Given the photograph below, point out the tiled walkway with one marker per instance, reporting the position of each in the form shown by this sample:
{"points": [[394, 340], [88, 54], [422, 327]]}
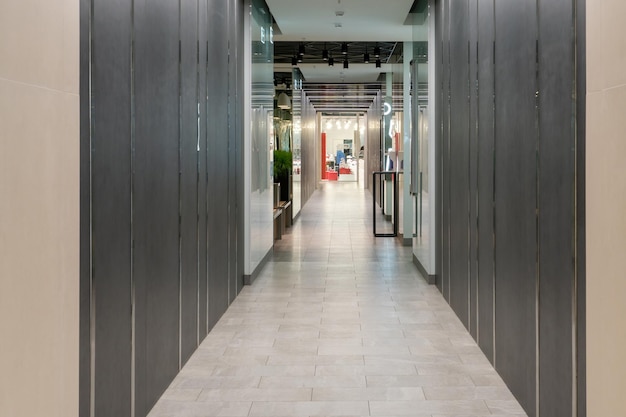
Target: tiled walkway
{"points": [[339, 323]]}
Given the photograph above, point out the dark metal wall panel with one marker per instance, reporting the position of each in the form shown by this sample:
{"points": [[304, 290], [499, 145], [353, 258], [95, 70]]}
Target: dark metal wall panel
{"points": [[218, 157], [372, 148], [485, 179], [515, 198], [556, 188], [239, 144], [235, 276], [524, 129], [189, 157], [310, 143], [445, 149], [146, 190], [111, 202], [581, 102], [156, 197], [439, 112], [473, 166], [459, 161], [84, 386], [203, 233]]}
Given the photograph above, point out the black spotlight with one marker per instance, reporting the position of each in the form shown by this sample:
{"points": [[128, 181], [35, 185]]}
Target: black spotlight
{"points": [[377, 51], [331, 61], [294, 61], [301, 50], [345, 64], [344, 48], [378, 63], [366, 58]]}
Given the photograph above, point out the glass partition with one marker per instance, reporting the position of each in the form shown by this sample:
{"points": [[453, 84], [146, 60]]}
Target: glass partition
{"points": [[261, 133], [422, 141], [296, 115]]}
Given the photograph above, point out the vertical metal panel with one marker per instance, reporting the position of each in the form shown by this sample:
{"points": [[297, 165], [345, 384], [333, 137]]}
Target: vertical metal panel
{"points": [[111, 194], [217, 164], [581, 307], [239, 145], [310, 144], [556, 206], [156, 198], [189, 177], [85, 386], [372, 149], [439, 111], [516, 180], [459, 160], [445, 150], [473, 167], [235, 115], [203, 234], [485, 176]]}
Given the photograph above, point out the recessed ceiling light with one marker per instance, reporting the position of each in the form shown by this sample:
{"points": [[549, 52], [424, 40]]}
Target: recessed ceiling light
{"points": [[339, 13], [338, 25]]}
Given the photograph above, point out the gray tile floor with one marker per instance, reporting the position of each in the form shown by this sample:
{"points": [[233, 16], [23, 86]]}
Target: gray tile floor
{"points": [[339, 323]]}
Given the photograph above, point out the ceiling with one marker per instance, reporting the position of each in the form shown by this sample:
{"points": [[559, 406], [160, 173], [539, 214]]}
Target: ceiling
{"points": [[362, 20], [325, 24]]}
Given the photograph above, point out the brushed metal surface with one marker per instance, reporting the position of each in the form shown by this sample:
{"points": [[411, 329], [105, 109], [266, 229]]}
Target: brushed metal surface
{"points": [[516, 198], [581, 307], [111, 208], [217, 162], [156, 198], [485, 167], [459, 166], [472, 128], [189, 155], [85, 389], [445, 149], [557, 204], [203, 232]]}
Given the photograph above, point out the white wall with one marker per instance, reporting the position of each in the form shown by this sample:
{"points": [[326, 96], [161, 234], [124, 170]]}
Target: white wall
{"points": [[606, 208], [39, 208]]}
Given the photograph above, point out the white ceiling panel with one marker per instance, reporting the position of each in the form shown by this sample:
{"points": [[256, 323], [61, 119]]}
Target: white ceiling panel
{"points": [[362, 20]]}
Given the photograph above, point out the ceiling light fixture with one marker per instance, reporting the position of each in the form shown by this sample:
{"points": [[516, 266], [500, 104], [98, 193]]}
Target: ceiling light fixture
{"points": [[366, 57], [331, 61], [301, 50], [377, 51], [325, 53], [344, 48], [346, 64], [378, 64], [283, 101], [294, 61]]}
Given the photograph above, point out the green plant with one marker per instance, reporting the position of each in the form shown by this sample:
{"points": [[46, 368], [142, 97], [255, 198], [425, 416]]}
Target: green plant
{"points": [[282, 164]]}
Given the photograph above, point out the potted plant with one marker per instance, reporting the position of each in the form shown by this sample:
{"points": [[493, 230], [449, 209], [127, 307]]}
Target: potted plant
{"points": [[282, 172]]}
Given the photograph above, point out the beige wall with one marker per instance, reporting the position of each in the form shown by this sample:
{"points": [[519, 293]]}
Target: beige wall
{"points": [[39, 213], [606, 208]]}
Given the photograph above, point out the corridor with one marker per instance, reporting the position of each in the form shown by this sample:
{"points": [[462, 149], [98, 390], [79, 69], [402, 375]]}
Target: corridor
{"points": [[339, 323]]}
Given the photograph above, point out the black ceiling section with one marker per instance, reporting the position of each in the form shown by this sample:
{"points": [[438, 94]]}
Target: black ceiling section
{"points": [[331, 98], [342, 97], [390, 52]]}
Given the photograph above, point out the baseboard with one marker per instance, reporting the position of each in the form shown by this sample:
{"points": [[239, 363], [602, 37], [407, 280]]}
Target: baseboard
{"points": [[249, 279], [405, 241], [430, 279]]}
